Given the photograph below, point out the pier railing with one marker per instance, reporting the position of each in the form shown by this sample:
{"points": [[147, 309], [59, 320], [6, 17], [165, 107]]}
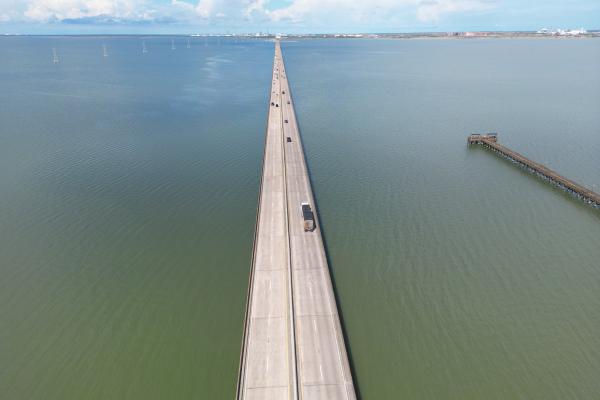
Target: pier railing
{"points": [[490, 141]]}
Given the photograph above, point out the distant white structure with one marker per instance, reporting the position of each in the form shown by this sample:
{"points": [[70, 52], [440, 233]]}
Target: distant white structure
{"points": [[562, 32], [348, 35], [575, 32]]}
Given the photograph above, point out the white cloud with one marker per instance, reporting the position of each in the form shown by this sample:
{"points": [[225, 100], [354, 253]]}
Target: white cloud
{"points": [[47, 10], [352, 10], [11, 10], [205, 8], [131, 10], [255, 7], [303, 12], [232, 9], [433, 10]]}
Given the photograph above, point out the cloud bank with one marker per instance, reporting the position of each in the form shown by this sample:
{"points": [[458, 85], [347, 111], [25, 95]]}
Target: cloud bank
{"points": [[425, 10], [58, 10], [292, 12]]}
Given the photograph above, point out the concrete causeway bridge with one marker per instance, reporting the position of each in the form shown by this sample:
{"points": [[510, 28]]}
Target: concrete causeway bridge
{"points": [[293, 346], [491, 141]]}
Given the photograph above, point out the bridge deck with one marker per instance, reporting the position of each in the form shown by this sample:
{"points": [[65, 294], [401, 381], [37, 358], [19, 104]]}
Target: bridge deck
{"points": [[293, 343]]}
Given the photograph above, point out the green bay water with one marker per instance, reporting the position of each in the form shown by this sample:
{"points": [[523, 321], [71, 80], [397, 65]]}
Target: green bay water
{"points": [[129, 187], [459, 276]]}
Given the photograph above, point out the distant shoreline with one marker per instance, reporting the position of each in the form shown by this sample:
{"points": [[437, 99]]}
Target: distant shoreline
{"points": [[448, 35], [425, 35]]}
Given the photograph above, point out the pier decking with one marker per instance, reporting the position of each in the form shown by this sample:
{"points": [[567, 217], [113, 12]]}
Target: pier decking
{"points": [[293, 346], [491, 141]]}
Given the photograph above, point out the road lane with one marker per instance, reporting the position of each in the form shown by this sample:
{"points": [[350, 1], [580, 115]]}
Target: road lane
{"points": [[323, 367], [268, 361]]}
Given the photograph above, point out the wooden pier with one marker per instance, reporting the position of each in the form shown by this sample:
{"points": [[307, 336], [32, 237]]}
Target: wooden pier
{"points": [[490, 141]]}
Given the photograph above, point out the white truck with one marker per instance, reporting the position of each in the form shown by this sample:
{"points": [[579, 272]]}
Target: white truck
{"points": [[307, 216]]}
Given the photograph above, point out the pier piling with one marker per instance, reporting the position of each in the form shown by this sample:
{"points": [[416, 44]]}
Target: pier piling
{"points": [[490, 141]]}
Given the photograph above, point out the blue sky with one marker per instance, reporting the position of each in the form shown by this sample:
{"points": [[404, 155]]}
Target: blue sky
{"points": [[292, 16]]}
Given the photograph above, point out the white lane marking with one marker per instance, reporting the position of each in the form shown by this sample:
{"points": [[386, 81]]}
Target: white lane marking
{"points": [[268, 340]]}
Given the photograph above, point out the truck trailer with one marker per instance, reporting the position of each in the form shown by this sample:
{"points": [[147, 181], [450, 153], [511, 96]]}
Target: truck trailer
{"points": [[307, 216]]}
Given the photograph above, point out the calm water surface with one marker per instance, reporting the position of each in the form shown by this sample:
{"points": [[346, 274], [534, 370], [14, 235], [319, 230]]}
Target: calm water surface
{"points": [[129, 184]]}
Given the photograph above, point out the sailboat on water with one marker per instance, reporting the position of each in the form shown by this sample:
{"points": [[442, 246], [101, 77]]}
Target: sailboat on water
{"points": [[104, 51], [172, 44], [144, 49], [54, 56]]}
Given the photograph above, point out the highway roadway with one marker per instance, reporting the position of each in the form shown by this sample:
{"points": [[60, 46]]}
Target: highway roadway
{"points": [[293, 344]]}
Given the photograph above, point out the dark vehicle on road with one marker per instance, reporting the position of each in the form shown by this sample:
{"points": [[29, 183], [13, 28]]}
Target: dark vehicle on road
{"points": [[307, 215]]}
